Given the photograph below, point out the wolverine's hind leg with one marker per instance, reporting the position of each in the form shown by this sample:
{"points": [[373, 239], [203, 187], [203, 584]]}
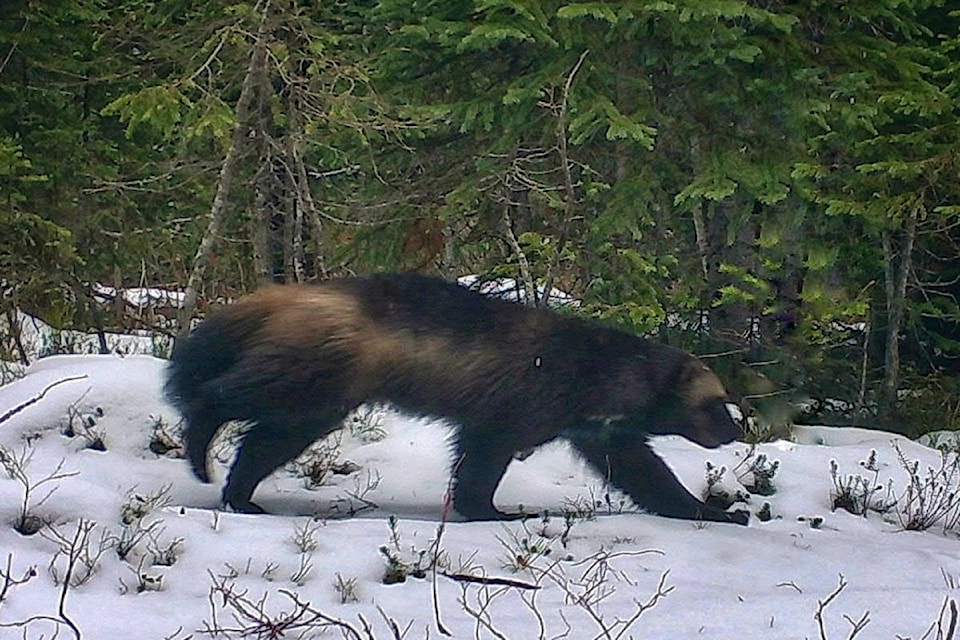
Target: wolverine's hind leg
{"points": [[201, 425], [272, 442]]}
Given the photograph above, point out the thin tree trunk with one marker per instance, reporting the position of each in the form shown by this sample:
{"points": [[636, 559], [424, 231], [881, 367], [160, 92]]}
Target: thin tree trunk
{"points": [[296, 249], [264, 183], [289, 231], [16, 334], [260, 233], [526, 275], [227, 174], [703, 243], [703, 248], [449, 255], [527, 282], [897, 272], [570, 196], [860, 408], [891, 346], [306, 208]]}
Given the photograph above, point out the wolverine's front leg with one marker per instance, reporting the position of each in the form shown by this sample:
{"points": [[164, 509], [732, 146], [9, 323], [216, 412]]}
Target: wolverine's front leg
{"points": [[478, 468], [631, 465]]}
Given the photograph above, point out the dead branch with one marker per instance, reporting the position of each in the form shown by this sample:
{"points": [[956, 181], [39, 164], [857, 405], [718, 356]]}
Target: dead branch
{"points": [[568, 184], [856, 625], [252, 620], [945, 626], [9, 581], [34, 400], [500, 582]]}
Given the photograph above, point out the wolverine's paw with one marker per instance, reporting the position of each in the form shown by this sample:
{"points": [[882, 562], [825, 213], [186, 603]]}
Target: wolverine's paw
{"points": [[474, 513], [740, 516], [238, 506], [710, 514]]}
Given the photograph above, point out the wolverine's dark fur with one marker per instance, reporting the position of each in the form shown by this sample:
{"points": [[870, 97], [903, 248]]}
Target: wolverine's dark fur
{"points": [[294, 360]]}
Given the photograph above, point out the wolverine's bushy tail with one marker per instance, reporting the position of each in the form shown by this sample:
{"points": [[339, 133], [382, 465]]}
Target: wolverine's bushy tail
{"points": [[197, 362]]}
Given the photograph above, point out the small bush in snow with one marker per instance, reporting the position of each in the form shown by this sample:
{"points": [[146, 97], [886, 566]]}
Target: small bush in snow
{"points": [[249, 618], [855, 493], [398, 570], [581, 508], [28, 522], [718, 496], [83, 424], [137, 506], [586, 584], [9, 581], [931, 497], [135, 523], [145, 581], [305, 540], [166, 440], [756, 472], [303, 570], [164, 554], [355, 500], [765, 513], [322, 458], [856, 626], [346, 588], [531, 542], [366, 423], [612, 506], [305, 536], [319, 460], [78, 556], [403, 562]]}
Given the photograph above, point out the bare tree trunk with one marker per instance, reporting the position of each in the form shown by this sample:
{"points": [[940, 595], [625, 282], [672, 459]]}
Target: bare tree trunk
{"points": [[896, 272], [16, 333], [296, 248], [263, 199], [570, 196], [703, 247], [287, 244], [228, 171], [733, 324], [449, 255], [527, 282], [260, 233], [860, 407], [703, 243], [526, 275], [306, 208]]}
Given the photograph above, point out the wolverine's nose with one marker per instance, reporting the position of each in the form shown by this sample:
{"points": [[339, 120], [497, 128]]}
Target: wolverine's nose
{"points": [[719, 425]]}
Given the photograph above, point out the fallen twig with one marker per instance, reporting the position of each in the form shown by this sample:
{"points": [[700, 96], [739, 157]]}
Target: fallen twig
{"points": [[500, 582], [34, 400]]}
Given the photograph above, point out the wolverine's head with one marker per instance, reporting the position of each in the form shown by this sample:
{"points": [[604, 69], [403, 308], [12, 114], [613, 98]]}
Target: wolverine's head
{"points": [[674, 393], [704, 401]]}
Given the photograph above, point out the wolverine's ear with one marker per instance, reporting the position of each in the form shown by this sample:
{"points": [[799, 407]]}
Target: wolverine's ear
{"points": [[698, 384]]}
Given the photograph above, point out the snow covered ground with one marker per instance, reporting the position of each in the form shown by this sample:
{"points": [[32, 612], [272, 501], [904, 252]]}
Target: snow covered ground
{"points": [[190, 570]]}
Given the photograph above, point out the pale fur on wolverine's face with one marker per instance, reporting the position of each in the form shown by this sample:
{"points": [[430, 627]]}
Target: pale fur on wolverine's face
{"points": [[711, 423], [694, 405]]}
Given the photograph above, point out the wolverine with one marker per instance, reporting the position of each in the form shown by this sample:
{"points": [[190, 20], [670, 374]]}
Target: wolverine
{"points": [[293, 360]]}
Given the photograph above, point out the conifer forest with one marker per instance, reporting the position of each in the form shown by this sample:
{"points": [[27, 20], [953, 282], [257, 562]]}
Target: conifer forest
{"points": [[772, 184]]}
